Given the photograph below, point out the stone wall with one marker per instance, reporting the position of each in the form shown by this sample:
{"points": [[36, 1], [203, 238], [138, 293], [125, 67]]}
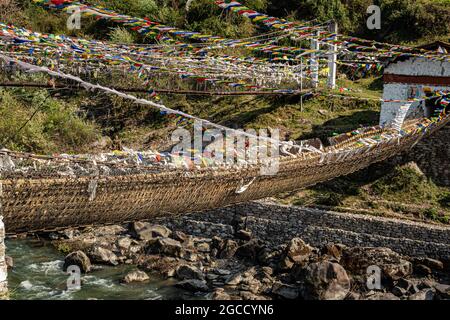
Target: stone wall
{"points": [[3, 267], [432, 155], [278, 224]]}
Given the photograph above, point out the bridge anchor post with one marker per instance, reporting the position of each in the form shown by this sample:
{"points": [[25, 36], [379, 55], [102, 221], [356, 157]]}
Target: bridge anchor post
{"points": [[3, 266]]}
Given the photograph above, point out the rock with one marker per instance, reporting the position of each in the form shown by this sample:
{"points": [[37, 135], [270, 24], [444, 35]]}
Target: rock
{"points": [[220, 294], [250, 296], [298, 251], [193, 285], [358, 259], [191, 256], [185, 272], [399, 292], [148, 231], [414, 167], [228, 250], [78, 258], [245, 235], [217, 243], [426, 294], [426, 284], [204, 247], [165, 246], [179, 236], [249, 250], [221, 272], [285, 291], [333, 250], [266, 256], [422, 270], [353, 296], [404, 284], [442, 291], [327, 281], [102, 255], [433, 264], [267, 271], [382, 296], [252, 285], [234, 280], [124, 243], [136, 276], [9, 262]]}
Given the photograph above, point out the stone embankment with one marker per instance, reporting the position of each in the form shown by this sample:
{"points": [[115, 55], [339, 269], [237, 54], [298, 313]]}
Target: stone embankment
{"points": [[249, 252], [277, 224]]}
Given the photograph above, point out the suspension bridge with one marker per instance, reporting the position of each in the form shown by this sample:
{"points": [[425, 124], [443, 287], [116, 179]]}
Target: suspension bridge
{"points": [[39, 192]]}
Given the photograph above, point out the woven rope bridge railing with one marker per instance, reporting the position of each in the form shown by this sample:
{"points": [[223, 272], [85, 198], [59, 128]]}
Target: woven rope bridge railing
{"points": [[43, 200]]}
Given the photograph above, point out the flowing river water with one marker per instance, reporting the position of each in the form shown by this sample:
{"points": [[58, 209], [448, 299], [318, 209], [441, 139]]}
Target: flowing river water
{"points": [[38, 274]]}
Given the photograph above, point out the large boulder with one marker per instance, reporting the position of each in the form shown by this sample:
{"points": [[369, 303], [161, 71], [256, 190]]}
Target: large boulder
{"points": [[136, 276], [326, 281], [166, 246], [78, 258], [148, 231], [185, 272], [103, 256], [296, 252], [357, 260]]}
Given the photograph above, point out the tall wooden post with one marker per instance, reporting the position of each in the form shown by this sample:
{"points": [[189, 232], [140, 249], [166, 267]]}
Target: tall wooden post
{"points": [[332, 59]]}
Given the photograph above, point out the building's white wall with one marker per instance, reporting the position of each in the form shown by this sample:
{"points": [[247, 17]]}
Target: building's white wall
{"points": [[402, 91], [420, 67]]}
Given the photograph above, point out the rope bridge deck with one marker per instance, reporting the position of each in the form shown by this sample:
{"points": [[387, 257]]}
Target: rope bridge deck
{"points": [[35, 203]]}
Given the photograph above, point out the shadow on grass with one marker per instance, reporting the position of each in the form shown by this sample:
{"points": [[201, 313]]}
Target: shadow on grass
{"points": [[343, 124]]}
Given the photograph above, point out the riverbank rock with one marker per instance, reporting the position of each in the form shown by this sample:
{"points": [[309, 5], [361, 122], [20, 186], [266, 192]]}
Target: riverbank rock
{"points": [[381, 296], [9, 262], [103, 256], [193, 285], [148, 231], [186, 272], [422, 295], [136, 276], [285, 291], [220, 294], [80, 259], [357, 260], [165, 246], [326, 281]]}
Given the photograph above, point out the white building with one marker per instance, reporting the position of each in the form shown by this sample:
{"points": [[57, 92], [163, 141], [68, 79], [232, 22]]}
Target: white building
{"points": [[411, 77]]}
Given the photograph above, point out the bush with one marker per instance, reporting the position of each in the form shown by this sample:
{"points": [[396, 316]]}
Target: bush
{"points": [[47, 126]]}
